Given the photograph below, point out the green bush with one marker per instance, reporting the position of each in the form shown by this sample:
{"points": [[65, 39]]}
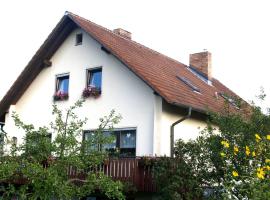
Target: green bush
{"points": [[230, 159], [37, 168]]}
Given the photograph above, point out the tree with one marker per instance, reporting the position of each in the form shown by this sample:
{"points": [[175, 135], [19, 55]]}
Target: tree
{"points": [[245, 153], [229, 160], [37, 168]]}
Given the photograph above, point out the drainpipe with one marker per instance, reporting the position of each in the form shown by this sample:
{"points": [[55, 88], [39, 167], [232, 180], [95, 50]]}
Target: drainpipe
{"points": [[2, 124], [172, 129]]}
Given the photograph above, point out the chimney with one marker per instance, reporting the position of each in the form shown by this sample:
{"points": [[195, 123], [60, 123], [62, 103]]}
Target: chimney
{"points": [[202, 62], [123, 33]]}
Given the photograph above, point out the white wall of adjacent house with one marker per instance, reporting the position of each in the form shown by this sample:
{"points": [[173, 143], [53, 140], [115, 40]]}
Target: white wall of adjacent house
{"points": [[187, 130], [122, 90]]}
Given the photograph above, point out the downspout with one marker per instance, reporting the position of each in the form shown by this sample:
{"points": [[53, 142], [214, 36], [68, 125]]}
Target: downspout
{"points": [[2, 124], [172, 129]]}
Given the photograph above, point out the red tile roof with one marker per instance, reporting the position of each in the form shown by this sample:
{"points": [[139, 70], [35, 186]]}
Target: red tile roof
{"points": [[155, 69]]}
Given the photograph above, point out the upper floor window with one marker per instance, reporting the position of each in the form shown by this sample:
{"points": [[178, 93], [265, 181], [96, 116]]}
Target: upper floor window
{"points": [[79, 39], [94, 78], [123, 142], [93, 83], [61, 88]]}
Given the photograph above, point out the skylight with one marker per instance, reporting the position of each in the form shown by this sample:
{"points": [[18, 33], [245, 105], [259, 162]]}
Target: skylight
{"points": [[189, 84], [199, 75], [230, 100]]}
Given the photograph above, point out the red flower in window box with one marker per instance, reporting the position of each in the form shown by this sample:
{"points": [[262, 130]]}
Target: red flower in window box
{"points": [[59, 96], [91, 91]]}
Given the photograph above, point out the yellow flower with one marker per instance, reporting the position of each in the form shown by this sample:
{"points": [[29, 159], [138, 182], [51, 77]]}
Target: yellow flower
{"points": [[225, 144], [268, 137], [235, 150], [253, 153], [222, 154], [267, 160], [247, 151], [235, 173], [258, 137], [260, 173]]}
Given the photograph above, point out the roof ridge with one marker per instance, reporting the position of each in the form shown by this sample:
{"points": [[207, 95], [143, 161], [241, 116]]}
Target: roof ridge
{"points": [[137, 43]]}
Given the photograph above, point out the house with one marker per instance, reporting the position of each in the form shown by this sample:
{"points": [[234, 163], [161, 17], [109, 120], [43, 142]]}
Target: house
{"points": [[159, 98]]}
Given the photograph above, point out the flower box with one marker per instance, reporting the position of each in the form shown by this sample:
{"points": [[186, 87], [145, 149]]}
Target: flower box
{"points": [[91, 92], [60, 96]]}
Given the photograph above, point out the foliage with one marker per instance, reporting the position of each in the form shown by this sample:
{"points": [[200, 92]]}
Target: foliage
{"points": [[245, 152], [37, 168], [197, 167], [229, 160], [175, 180]]}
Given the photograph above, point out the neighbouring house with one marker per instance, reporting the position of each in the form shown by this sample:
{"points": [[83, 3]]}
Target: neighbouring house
{"points": [[150, 90]]}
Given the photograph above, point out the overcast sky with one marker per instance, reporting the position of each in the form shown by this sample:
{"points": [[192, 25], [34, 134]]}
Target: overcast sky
{"points": [[236, 32]]}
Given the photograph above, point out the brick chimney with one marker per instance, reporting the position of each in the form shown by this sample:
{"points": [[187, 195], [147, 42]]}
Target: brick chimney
{"points": [[123, 33], [202, 62]]}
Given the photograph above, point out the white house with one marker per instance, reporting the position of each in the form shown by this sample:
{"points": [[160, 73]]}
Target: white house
{"points": [[150, 90]]}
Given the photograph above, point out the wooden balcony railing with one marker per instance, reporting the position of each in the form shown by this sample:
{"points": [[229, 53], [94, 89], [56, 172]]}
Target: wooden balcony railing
{"points": [[125, 170], [129, 170]]}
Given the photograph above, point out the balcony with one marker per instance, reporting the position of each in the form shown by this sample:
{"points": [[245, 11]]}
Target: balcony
{"points": [[125, 170]]}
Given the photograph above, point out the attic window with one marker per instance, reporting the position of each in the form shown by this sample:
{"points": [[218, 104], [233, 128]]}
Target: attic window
{"points": [[189, 84], [79, 38], [230, 100], [199, 75]]}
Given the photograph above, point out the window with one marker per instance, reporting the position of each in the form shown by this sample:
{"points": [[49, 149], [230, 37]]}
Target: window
{"points": [[199, 75], [123, 142], [94, 77], [231, 100], [128, 143], [189, 84], [79, 38], [14, 141], [62, 85], [93, 83]]}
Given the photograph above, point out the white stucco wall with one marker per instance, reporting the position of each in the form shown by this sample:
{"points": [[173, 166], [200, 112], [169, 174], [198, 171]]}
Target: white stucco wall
{"points": [[186, 130], [121, 90]]}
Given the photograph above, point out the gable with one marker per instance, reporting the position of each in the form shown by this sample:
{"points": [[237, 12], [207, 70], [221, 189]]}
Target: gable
{"points": [[156, 70]]}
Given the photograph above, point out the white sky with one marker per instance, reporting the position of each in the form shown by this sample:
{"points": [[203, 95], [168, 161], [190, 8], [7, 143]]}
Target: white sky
{"points": [[236, 32]]}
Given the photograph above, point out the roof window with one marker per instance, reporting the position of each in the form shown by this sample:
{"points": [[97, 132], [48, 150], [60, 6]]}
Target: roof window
{"points": [[199, 75], [189, 84], [229, 99]]}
